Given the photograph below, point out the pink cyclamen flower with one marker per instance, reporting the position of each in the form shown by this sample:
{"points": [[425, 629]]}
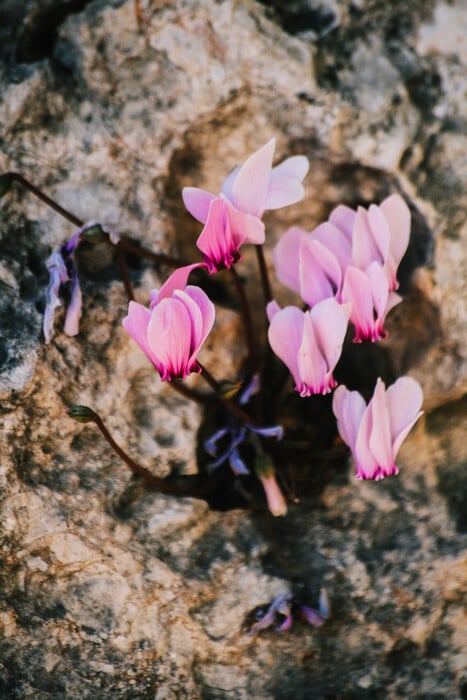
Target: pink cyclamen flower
{"points": [[381, 234], [309, 343], [173, 330], [375, 432], [234, 217], [367, 292]]}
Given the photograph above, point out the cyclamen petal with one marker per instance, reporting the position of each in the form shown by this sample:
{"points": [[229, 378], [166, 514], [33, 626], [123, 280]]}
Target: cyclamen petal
{"points": [[197, 202], [310, 343], [251, 184], [286, 258], [225, 231], [173, 331], [320, 272], [397, 214], [375, 432]]}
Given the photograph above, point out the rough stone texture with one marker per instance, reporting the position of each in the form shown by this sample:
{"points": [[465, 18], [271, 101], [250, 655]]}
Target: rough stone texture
{"points": [[109, 591]]}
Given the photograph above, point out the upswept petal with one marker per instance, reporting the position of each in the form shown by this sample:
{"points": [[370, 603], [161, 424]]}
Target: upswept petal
{"points": [[320, 272], [379, 288], [330, 321], [136, 325], [177, 280], [404, 400], [285, 335], [348, 407], [312, 365], [357, 290], [169, 336], [227, 185], [272, 308], [397, 214], [283, 191], [251, 184], [380, 439], [336, 241], [344, 218], [285, 185], [370, 237], [207, 311], [286, 258], [197, 202], [366, 466]]}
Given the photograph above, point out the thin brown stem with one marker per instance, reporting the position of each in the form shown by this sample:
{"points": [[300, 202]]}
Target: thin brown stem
{"points": [[155, 482], [158, 258], [192, 394], [263, 271], [122, 266], [16, 177], [247, 320]]}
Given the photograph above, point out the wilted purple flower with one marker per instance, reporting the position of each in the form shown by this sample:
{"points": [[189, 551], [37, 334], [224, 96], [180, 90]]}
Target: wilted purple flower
{"points": [[175, 327], [284, 608], [309, 343], [375, 432], [62, 269]]}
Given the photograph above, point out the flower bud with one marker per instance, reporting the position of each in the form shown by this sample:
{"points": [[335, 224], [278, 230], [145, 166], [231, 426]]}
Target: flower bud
{"points": [[82, 414]]}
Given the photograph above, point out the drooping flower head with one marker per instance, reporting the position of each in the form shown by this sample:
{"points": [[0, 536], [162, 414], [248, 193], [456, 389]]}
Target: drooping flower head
{"points": [[375, 432], [175, 327], [309, 343], [234, 217]]}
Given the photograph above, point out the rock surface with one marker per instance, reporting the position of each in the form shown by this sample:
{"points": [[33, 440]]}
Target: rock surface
{"points": [[109, 591]]}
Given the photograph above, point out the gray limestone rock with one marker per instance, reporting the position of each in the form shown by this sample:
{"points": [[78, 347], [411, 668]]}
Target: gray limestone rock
{"points": [[115, 592]]}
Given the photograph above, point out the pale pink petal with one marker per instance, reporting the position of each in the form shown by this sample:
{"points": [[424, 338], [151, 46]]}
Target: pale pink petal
{"points": [[320, 272], [283, 191], [285, 185], [370, 237], [330, 321], [195, 316], [380, 439], [169, 336], [207, 311], [357, 291], [177, 280], [197, 202], [227, 185], [366, 465], [379, 288], [285, 335], [136, 325], [272, 309], [344, 218], [405, 399], [286, 258], [348, 407], [335, 241], [251, 184], [312, 365], [245, 228], [397, 214]]}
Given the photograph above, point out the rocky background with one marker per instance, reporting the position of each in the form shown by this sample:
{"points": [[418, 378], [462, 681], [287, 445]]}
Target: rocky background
{"points": [[108, 590]]}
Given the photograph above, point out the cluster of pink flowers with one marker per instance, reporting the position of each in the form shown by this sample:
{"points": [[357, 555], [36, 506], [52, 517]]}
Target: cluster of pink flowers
{"points": [[345, 270]]}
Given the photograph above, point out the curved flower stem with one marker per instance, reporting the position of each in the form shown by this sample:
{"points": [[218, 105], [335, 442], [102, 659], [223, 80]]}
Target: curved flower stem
{"points": [[156, 482], [125, 245], [263, 271], [247, 320], [16, 177]]}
